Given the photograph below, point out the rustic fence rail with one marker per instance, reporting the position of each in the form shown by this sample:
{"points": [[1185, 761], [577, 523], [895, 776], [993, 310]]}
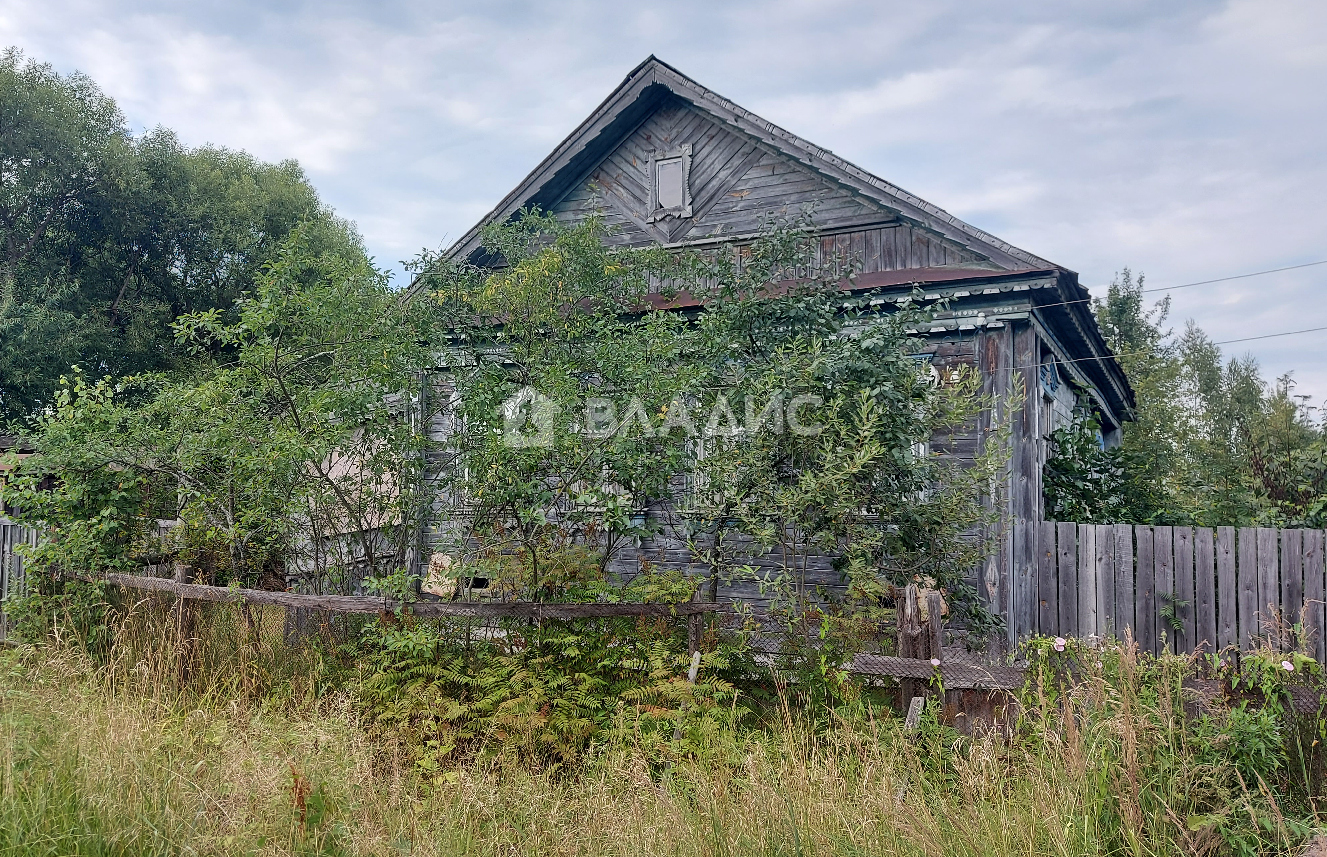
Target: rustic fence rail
{"points": [[1177, 589], [431, 609]]}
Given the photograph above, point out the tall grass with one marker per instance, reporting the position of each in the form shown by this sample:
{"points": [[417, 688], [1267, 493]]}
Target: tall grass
{"points": [[106, 758]]}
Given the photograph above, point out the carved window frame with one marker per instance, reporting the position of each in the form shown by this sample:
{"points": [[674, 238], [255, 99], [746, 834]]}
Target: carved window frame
{"points": [[682, 153]]}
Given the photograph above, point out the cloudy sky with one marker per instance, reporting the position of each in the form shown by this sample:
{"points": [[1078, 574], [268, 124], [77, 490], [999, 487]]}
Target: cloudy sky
{"points": [[1184, 140]]}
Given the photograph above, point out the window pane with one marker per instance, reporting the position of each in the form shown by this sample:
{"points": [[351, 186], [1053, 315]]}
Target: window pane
{"points": [[670, 183]]}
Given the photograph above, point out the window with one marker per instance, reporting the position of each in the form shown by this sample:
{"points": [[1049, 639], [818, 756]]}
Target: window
{"points": [[670, 177]]}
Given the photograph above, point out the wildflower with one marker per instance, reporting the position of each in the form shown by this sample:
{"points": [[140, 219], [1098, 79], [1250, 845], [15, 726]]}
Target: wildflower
{"points": [[935, 662], [1059, 644], [1289, 667]]}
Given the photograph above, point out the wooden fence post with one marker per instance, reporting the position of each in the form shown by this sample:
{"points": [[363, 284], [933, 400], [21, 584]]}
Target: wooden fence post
{"points": [[909, 640], [935, 626]]}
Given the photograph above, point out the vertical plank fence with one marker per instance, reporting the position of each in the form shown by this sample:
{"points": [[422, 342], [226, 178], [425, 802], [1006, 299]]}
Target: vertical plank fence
{"points": [[11, 566], [1175, 589]]}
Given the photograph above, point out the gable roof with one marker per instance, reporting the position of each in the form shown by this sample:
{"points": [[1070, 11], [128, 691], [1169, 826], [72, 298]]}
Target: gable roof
{"points": [[956, 250], [654, 82]]}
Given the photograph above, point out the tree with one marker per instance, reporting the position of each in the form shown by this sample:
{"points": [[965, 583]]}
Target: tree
{"points": [[296, 454], [109, 238], [1212, 444], [1155, 442]]}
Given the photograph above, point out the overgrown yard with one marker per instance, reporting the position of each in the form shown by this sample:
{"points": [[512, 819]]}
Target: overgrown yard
{"points": [[103, 758]]}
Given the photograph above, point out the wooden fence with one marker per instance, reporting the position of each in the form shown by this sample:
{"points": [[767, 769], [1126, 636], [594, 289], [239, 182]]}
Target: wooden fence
{"points": [[11, 566], [1176, 588]]}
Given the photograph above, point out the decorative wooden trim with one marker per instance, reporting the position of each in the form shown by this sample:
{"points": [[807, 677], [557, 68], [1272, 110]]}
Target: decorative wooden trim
{"points": [[684, 210]]}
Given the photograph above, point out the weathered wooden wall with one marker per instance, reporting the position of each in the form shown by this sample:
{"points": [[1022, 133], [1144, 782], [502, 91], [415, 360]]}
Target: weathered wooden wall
{"points": [[1175, 589], [736, 183]]}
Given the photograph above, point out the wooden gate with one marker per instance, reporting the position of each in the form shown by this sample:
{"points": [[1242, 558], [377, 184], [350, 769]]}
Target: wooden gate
{"points": [[1176, 588]]}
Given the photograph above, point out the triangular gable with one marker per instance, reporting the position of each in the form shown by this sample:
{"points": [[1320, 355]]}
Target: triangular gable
{"points": [[734, 182], [743, 168]]}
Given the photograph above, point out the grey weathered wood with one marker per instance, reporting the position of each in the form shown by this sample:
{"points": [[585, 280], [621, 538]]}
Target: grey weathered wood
{"points": [[1163, 558], [364, 604], [1185, 639], [1124, 580], [935, 625], [1204, 589], [1144, 609], [1066, 549], [1269, 586], [1247, 583], [1048, 582], [1292, 582], [1087, 580], [1025, 579], [1314, 542], [914, 718], [1105, 575], [910, 641], [1227, 589]]}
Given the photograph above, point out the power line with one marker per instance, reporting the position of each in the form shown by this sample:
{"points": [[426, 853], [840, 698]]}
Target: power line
{"points": [[1236, 277], [1270, 335], [1139, 353]]}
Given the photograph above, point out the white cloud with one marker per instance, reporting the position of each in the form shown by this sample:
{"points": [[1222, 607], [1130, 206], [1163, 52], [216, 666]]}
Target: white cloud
{"points": [[1181, 139]]}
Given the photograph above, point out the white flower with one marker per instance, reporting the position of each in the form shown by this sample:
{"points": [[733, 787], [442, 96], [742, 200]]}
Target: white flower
{"points": [[1059, 644], [935, 662], [1289, 667]]}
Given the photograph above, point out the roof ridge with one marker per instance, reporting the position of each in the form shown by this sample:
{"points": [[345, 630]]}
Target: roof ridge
{"points": [[654, 71]]}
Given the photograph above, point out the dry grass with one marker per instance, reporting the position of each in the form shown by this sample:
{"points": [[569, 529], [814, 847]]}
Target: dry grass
{"points": [[95, 765]]}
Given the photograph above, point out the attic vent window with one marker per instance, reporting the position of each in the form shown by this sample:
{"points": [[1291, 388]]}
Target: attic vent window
{"points": [[670, 179]]}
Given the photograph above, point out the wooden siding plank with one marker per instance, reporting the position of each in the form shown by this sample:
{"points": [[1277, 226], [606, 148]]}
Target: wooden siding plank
{"points": [[857, 250], [1292, 582], [1163, 555], [1048, 582], [871, 254], [1066, 548], [1204, 589], [1105, 575], [1269, 586], [1124, 580], [711, 185], [1185, 637], [1227, 589], [1314, 542], [1087, 580], [1145, 610]]}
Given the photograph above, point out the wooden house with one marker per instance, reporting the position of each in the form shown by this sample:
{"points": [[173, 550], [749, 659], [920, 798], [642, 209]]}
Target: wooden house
{"points": [[665, 160]]}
